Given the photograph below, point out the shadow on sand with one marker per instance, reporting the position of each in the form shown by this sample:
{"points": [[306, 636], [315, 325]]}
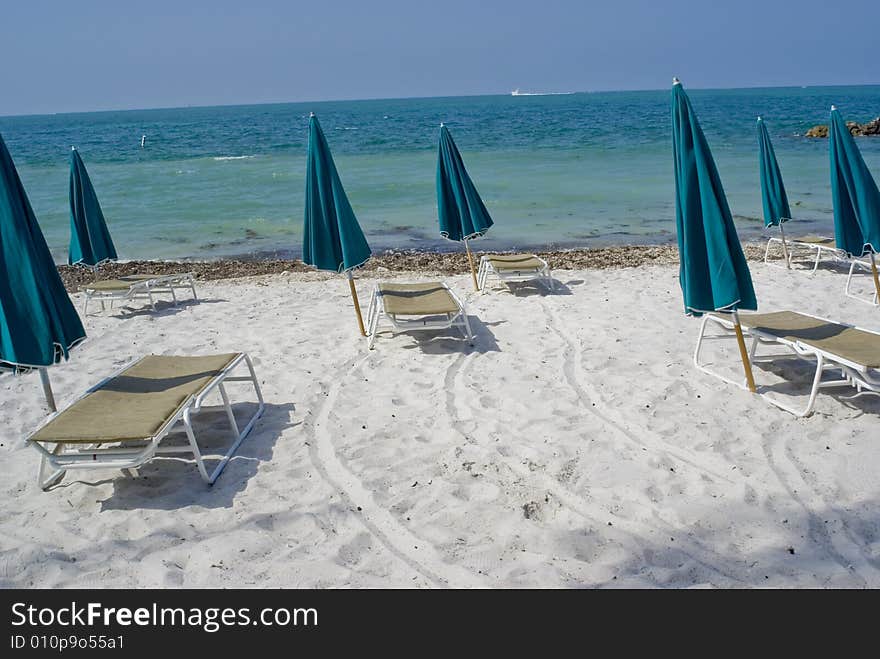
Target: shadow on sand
{"points": [[446, 341], [163, 309], [170, 483], [533, 288]]}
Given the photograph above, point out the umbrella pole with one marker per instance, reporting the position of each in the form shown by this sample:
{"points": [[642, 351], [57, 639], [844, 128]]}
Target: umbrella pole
{"points": [[47, 389], [784, 248], [357, 306], [471, 262], [747, 365], [876, 278]]}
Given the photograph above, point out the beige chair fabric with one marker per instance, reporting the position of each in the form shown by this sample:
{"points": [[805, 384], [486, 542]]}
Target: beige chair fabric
{"points": [[849, 343], [417, 299], [135, 404], [121, 284], [814, 240], [515, 261]]}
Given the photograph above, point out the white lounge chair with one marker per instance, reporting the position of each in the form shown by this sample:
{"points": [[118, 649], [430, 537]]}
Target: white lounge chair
{"points": [[412, 307], [861, 264], [850, 353], [514, 267], [816, 248], [133, 287], [121, 422]]}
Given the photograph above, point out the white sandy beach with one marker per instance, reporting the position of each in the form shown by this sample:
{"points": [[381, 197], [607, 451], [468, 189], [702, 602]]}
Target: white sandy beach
{"points": [[574, 446]]}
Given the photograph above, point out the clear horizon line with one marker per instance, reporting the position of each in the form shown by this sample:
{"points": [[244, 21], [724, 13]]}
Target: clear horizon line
{"points": [[405, 98]]}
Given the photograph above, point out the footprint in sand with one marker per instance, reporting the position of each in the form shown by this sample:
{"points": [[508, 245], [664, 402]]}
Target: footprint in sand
{"points": [[488, 402], [478, 491], [352, 553]]}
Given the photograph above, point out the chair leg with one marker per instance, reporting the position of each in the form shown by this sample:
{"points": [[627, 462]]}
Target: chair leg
{"points": [[481, 276], [471, 337], [238, 435], [47, 480], [372, 320], [820, 363], [197, 454], [229, 414]]}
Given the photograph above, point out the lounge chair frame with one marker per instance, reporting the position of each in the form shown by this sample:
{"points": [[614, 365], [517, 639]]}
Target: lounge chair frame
{"points": [[821, 251], [866, 265], [865, 380], [59, 457], [377, 311], [143, 289], [541, 274]]}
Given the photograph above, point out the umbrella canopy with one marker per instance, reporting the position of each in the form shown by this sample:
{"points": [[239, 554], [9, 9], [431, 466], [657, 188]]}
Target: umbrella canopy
{"points": [[713, 272], [332, 237], [462, 214], [90, 241], [854, 193], [38, 324], [776, 208]]}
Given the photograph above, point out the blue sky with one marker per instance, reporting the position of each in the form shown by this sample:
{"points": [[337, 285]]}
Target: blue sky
{"points": [[102, 54]]}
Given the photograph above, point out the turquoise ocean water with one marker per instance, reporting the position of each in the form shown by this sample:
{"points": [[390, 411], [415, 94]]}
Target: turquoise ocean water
{"points": [[585, 169]]}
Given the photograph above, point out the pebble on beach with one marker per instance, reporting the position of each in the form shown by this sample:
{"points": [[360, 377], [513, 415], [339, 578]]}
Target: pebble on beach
{"points": [[433, 263]]}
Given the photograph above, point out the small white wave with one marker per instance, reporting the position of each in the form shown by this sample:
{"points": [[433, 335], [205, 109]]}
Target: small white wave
{"points": [[219, 158], [346, 128]]}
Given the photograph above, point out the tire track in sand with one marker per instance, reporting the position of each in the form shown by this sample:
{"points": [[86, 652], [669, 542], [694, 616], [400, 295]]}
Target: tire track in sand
{"points": [[818, 533], [571, 364], [594, 513], [416, 552], [817, 528]]}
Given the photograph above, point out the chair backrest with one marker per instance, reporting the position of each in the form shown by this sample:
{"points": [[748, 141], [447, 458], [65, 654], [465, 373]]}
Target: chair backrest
{"points": [[852, 344], [136, 403]]}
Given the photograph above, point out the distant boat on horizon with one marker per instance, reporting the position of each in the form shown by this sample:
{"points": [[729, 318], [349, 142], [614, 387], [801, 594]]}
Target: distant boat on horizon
{"points": [[517, 92]]}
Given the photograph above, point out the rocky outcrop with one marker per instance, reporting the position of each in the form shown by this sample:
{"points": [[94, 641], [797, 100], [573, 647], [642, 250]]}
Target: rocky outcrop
{"points": [[872, 128]]}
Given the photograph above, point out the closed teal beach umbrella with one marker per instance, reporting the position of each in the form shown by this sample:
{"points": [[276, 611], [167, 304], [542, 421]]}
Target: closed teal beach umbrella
{"points": [[332, 237], [90, 241], [38, 324], [713, 273], [776, 208], [461, 212], [773, 197], [855, 196]]}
